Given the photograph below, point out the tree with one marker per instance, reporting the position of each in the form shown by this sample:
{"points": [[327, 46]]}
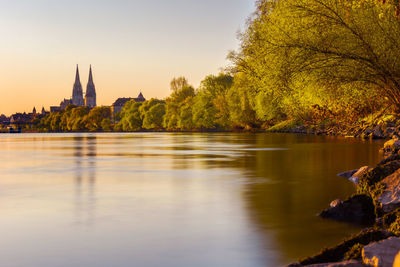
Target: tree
{"points": [[130, 116], [178, 114], [96, 117], [153, 118], [295, 54], [210, 108], [178, 84]]}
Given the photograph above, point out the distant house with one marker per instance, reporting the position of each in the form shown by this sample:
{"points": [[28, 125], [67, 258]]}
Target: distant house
{"points": [[120, 102], [4, 120], [18, 119], [65, 103], [55, 109]]}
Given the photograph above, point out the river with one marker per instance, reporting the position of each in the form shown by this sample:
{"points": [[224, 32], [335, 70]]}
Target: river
{"points": [[171, 199]]}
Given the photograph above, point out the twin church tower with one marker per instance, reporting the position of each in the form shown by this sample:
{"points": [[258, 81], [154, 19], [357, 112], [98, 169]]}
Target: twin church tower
{"points": [[77, 93]]}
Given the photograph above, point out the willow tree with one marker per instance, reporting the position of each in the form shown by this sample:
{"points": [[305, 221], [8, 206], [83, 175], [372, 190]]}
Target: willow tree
{"points": [[298, 52]]}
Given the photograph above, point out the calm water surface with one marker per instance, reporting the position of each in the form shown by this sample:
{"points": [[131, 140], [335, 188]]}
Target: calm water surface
{"points": [[162, 199]]}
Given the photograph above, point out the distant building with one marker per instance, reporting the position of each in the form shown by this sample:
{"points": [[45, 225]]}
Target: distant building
{"points": [[19, 119], [90, 97], [4, 120], [140, 98], [77, 94], [64, 104], [34, 110], [55, 109], [120, 102]]}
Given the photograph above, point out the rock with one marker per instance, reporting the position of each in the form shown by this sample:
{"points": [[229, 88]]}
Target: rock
{"points": [[382, 253], [358, 209], [355, 175], [355, 178], [336, 202], [390, 131], [390, 198], [377, 132], [390, 158], [338, 252], [396, 262], [368, 131], [347, 174], [392, 146], [381, 172], [352, 263]]}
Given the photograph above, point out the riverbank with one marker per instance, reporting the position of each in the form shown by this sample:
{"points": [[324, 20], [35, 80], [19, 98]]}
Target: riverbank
{"points": [[376, 205], [376, 126]]}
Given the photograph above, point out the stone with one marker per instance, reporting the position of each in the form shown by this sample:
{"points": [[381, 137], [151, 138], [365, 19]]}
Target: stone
{"points": [[382, 253], [336, 202], [355, 178], [358, 209], [396, 262], [377, 133], [390, 198], [390, 131], [392, 146], [347, 174], [352, 263], [390, 158], [382, 171]]}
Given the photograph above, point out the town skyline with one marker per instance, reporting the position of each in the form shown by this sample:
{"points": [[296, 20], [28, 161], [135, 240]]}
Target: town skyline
{"points": [[133, 47]]}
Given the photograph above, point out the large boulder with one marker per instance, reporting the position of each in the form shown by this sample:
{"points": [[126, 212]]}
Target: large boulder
{"points": [[347, 174], [358, 209], [392, 146], [355, 178], [352, 263], [377, 132], [356, 174], [390, 198], [379, 173], [382, 253], [396, 262]]}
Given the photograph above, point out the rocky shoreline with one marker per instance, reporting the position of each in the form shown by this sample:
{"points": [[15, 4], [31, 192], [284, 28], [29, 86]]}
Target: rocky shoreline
{"points": [[381, 126], [376, 205]]}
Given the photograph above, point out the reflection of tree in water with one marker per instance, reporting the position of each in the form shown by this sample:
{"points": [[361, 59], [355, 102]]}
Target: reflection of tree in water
{"points": [[85, 179], [285, 189], [300, 182]]}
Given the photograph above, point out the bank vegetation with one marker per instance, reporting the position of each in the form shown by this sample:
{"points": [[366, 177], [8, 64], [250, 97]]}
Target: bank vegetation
{"points": [[307, 63]]}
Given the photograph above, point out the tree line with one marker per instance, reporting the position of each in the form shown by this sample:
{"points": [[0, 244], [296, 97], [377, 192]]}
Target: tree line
{"points": [[303, 61]]}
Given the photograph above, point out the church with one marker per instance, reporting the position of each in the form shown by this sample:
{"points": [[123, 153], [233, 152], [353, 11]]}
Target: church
{"points": [[77, 93], [90, 96]]}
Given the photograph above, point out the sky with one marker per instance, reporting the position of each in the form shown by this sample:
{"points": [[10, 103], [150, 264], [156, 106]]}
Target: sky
{"points": [[133, 46]]}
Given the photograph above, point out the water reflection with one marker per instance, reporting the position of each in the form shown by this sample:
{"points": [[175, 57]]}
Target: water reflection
{"points": [[151, 199], [85, 148]]}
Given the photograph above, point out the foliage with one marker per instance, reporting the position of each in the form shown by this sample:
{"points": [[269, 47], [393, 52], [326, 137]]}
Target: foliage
{"points": [[315, 63], [355, 253], [332, 53], [178, 110], [77, 119], [210, 108]]}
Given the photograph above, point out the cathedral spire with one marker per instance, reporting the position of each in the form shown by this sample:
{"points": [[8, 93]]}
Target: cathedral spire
{"points": [[77, 79], [90, 98], [90, 75], [77, 94]]}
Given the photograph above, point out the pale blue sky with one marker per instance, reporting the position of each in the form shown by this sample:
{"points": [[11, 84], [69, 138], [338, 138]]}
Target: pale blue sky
{"points": [[133, 45]]}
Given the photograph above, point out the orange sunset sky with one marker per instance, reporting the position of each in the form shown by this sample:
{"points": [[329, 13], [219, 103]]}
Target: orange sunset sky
{"points": [[132, 45]]}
